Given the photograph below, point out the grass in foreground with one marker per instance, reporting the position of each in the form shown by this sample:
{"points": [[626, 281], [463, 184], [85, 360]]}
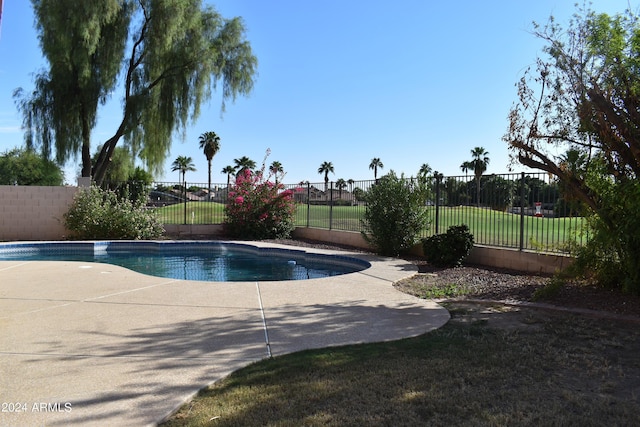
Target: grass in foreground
{"points": [[488, 366]]}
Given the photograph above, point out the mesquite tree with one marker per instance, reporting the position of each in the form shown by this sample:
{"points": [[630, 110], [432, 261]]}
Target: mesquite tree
{"points": [[583, 97]]}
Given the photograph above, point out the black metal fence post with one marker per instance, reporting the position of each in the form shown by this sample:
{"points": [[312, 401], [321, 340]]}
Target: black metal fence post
{"points": [[522, 204], [308, 204], [184, 196], [438, 177], [331, 206]]}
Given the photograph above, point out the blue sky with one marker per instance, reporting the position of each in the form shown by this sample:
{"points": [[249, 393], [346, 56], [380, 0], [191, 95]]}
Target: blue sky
{"points": [[344, 81]]}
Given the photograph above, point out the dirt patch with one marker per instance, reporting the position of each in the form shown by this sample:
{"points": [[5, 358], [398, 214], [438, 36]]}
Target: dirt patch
{"points": [[498, 316]]}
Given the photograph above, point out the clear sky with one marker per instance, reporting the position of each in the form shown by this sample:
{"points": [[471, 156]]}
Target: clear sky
{"points": [[344, 81]]}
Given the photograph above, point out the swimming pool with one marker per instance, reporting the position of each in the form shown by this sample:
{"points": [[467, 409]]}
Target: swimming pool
{"points": [[215, 261]]}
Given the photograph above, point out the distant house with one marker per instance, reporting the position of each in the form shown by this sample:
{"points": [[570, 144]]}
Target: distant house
{"points": [[315, 194], [199, 196], [192, 196], [322, 197], [160, 198]]}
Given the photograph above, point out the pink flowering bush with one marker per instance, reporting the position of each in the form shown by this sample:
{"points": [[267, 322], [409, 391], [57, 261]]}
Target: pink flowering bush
{"points": [[258, 208]]}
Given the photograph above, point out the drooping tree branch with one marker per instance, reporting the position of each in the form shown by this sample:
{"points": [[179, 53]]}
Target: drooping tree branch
{"points": [[179, 52]]}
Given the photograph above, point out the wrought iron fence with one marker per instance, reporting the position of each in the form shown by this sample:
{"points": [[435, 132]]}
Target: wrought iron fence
{"points": [[190, 204], [522, 211]]}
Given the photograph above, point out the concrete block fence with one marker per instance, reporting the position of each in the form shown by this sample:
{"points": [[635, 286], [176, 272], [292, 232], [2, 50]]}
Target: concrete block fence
{"points": [[34, 212]]}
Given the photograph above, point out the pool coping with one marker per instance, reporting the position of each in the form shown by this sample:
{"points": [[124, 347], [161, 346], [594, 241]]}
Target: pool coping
{"points": [[123, 348]]}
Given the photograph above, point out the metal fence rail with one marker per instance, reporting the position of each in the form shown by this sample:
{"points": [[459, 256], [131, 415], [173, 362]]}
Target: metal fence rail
{"points": [[521, 211]]}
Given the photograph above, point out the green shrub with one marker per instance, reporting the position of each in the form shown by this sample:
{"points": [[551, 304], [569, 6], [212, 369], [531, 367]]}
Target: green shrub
{"points": [[395, 214], [25, 167], [448, 249], [611, 255], [138, 186], [100, 214]]}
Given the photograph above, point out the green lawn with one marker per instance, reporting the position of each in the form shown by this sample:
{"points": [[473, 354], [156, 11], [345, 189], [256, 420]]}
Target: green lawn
{"points": [[489, 227], [196, 213], [489, 366], [320, 216]]}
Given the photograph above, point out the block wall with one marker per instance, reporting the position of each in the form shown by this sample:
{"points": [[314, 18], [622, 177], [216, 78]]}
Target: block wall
{"points": [[347, 238], [530, 262], [193, 231], [33, 212]]}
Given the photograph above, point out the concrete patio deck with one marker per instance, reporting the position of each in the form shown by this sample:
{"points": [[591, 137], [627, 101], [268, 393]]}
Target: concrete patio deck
{"points": [[96, 344]]}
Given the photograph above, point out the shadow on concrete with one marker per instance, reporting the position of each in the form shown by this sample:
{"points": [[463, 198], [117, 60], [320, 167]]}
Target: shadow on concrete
{"points": [[165, 363]]}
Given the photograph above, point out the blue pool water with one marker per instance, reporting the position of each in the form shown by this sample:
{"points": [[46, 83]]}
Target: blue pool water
{"points": [[206, 261]]}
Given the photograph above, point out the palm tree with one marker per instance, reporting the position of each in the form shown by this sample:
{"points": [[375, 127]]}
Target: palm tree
{"points": [[375, 164], [210, 144], [350, 182], [478, 164], [325, 168], [423, 173], [228, 170], [574, 163], [275, 169], [341, 184], [425, 170], [183, 164], [244, 163]]}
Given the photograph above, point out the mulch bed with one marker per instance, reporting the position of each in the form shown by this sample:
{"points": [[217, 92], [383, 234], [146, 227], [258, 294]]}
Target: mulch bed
{"points": [[505, 285]]}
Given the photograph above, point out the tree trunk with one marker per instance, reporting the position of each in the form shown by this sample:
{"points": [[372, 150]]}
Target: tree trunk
{"points": [[104, 158], [86, 161], [86, 147], [209, 192]]}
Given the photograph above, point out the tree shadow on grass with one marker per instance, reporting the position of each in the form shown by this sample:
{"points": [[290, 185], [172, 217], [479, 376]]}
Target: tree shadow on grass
{"points": [[481, 370]]}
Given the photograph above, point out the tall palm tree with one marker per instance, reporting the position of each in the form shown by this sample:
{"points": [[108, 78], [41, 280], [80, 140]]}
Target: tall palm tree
{"points": [[425, 170], [341, 184], [244, 163], [210, 144], [423, 173], [275, 169], [228, 170], [325, 168], [375, 164], [478, 164], [350, 181], [183, 164]]}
